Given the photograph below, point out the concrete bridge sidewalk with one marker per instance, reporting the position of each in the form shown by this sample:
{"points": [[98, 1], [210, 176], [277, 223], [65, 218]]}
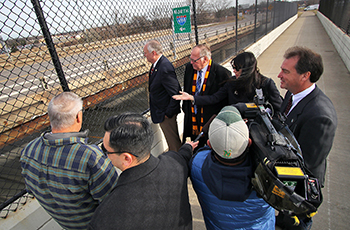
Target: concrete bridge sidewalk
{"points": [[308, 31]]}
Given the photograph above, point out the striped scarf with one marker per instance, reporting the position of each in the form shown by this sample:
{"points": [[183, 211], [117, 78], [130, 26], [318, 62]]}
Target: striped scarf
{"points": [[197, 128]]}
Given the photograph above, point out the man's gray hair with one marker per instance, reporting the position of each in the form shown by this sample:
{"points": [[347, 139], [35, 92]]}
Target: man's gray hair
{"points": [[204, 50], [154, 45], [63, 110]]}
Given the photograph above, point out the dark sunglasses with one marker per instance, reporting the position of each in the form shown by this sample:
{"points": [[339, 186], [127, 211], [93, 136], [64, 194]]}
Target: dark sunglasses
{"points": [[233, 65], [104, 150]]}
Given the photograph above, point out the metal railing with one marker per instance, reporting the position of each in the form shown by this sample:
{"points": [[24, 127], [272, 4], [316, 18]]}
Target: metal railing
{"points": [[338, 11], [95, 49]]}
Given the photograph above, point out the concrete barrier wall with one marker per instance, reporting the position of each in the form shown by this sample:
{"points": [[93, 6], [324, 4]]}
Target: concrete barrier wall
{"points": [[263, 43], [260, 46], [33, 216], [340, 40]]}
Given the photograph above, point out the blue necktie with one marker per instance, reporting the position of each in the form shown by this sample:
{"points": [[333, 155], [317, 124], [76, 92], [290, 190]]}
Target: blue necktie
{"points": [[198, 83], [198, 87]]}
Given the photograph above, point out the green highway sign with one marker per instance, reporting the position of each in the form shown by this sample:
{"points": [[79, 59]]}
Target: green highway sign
{"points": [[182, 20]]}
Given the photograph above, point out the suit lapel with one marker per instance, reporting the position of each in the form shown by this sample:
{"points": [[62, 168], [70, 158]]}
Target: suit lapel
{"points": [[210, 79], [158, 64], [152, 76], [298, 109]]}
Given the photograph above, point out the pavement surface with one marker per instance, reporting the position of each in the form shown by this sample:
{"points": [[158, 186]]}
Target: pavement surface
{"points": [[308, 31]]}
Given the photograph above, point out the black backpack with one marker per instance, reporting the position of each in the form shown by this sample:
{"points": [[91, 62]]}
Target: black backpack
{"points": [[280, 176]]}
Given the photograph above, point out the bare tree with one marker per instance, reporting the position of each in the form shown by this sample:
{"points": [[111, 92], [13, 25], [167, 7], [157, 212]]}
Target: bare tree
{"points": [[160, 16], [201, 6], [140, 24], [219, 7], [203, 13]]}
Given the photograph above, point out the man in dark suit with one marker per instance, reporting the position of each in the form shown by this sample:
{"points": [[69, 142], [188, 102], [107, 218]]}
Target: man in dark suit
{"points": [[163, 84], [310, 116], [151, 192], [202, 77]]}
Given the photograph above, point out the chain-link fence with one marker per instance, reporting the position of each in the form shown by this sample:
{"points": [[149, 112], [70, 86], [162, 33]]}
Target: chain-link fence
{"points": [[338, 11], [95, 49]]}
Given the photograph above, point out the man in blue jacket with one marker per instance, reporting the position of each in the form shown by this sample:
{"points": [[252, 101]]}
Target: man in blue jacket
{"points": [[221, 176]]}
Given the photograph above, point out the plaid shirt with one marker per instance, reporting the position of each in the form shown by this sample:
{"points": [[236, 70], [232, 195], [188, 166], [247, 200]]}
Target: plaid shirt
{"points": [[68, 177]]}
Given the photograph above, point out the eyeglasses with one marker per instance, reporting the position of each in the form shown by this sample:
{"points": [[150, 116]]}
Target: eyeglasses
{"points": [[104, 150], [195, 60], [233, 65]]}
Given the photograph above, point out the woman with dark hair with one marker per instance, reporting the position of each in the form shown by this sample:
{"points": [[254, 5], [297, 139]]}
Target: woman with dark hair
{"points": [[242, 86]]}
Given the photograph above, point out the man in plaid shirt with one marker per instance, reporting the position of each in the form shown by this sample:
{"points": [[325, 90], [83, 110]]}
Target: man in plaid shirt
{"points": [[68, 177]]}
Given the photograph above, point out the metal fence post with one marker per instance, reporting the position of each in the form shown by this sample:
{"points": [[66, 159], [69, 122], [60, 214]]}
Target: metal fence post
{"points": [[236, 25], [267, 15], [256, 15], [195, 21], [274, 14], [50, 44]]}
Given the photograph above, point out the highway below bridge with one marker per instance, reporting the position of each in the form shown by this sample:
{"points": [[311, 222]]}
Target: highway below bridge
{"points": [[38, 76], [27, 88]]}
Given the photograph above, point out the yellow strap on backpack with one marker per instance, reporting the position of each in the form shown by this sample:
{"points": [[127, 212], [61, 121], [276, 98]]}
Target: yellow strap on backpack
{"points": [[312, 214], [296, 220]]}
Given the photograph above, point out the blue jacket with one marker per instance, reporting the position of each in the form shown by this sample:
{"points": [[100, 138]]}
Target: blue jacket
{"points": [[235, 205]]}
